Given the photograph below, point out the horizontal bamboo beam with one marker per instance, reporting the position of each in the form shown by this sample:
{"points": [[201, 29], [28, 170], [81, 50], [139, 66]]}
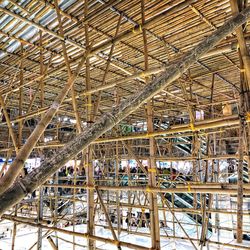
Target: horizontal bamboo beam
{"points": [[136, 206], [211, 188], [182, 128]]}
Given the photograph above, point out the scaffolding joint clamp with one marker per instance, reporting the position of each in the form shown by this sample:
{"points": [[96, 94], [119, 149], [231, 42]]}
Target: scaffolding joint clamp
{"points": [[191, 125], [152, 170], [148, 189]]}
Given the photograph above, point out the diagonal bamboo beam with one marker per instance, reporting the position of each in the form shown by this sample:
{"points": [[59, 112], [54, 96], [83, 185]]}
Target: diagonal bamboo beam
{"points": [[107, 218], [41, 82], [8, 179], [31, 181], [99, 94], [67, 62], [178, 222], [7, 118]]}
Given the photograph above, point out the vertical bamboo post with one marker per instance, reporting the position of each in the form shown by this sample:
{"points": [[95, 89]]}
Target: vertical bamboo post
{"points": [[119, 218], [17, 144], [240, 166], [40, 198], [129, 197], [39, 217], [89, 166], [74, 201], [154, 216], [55, 212], [14, 231], [172, 197], [20, 124], [41, 73]]}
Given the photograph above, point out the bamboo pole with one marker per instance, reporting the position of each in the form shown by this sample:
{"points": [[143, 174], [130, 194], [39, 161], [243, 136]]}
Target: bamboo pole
{"points": [[51, 242], [6, 115], [240, 167], [20, 188], [99, 94], [191, 188], [107, 218], [20, 108], [88, 157], [40, 87], [182, 228], [14, 231], [154, 216]]}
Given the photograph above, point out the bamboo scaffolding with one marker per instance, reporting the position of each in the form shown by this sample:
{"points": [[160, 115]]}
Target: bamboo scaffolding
{"points": [[138, 41], [126, 107]]}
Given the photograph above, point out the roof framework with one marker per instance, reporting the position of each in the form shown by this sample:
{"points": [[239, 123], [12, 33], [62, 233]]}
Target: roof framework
{"points": [[159, 81]]}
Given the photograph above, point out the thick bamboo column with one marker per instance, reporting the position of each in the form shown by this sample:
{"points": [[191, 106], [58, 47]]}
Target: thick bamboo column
{"points": [[154, 216], [20, 188], [88, 163], [240, 166]]}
